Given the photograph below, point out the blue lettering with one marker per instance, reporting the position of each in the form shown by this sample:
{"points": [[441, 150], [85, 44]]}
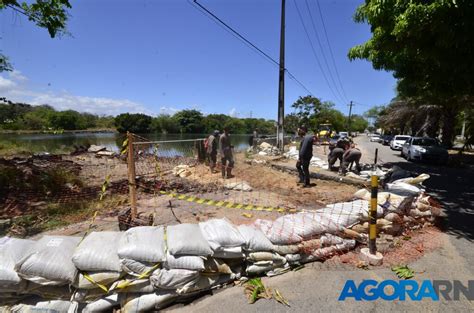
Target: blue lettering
{"points": [[396, 290], [411, 291], [426, 291], [349, 290], [372, 294]]}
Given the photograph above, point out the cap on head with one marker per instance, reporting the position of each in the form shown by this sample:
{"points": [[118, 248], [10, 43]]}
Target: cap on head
{"points": [[216, 132]]}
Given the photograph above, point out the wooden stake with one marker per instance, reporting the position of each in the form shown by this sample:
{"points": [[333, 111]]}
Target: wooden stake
{"points": [[132, 187]]}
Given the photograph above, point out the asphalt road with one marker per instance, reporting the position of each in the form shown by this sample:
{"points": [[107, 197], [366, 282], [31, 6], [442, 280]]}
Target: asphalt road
{"points": [[316, 288]]}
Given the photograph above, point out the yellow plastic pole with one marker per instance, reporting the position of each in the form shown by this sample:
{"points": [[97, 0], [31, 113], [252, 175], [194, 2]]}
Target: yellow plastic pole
{"points": [[373, 214]]}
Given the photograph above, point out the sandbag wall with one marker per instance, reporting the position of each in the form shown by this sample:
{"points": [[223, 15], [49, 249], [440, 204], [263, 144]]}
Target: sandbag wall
{"points": [[148, 267]]}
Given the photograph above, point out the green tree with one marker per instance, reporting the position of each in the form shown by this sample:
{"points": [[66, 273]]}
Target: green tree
{"points": [[165, 124], [213, 122], [33, 121], [308, 108], [190, 121], [49, 14], [69, 120], [358, 123], [236, 126], [292, 122], [135, 123], [428, 46]]}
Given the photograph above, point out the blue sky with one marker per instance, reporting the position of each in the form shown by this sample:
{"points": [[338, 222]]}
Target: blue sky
{"points": [[164, 55]]}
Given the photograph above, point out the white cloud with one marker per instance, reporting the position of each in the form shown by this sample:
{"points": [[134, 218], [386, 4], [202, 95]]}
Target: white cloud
{"points": [[17, 76], [168, 110], [14, 89], [6, 84], [234, 112]]}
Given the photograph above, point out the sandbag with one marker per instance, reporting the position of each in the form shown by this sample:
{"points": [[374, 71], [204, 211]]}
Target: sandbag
{"points": [[148, 302], [172, 278], [205, 282], [413, 180], [143, 243], [187, 239], [403, 189], [221, 234], [188, 262], [50, 263], [213, 265], [46, 306], [12, 250], [229, 253], [95, 278], [293, 228], [133, 285], [105, 304], [254, 238], [49, 292], [98, 252], [137, 268], [265, 256]]}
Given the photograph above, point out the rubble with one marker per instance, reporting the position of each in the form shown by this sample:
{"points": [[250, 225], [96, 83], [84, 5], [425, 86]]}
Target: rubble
{"points": [[243, 186], [95, 148]]}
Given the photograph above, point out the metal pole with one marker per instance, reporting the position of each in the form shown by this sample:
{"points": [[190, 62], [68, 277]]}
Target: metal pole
{"points": [[281, 82], [373, 215], [375, 159], [132, 188], [349, 118]]}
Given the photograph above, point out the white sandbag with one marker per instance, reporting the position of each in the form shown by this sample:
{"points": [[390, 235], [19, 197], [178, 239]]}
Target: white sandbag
{"points": [[187, 239], [143, 243], [105, 304], [98, 252], [95, 278], [293, 228], [188, 262], [173, 278], [413, 180], [229, 253], [213, 265], [286, 249], [403, 189], [49, 292], [133, 285], [46, 306], [12, 250], [205, 283], [265, 256], [220, 233], [255, 239], [148, 302], [137, 268], [50, 263]]}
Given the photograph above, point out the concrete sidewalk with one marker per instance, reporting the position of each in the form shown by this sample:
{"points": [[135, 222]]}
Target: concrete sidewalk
{"points": [[317, 287]]}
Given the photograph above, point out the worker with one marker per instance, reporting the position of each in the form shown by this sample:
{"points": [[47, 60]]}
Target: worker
{"points": [[212, 144], [337, 152], [227, 159], [304, 157], [351, 155]]}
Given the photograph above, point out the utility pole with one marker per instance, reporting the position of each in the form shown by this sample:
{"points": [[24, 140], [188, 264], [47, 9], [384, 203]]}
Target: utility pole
{"points": [[349, 118], [281, 82]]}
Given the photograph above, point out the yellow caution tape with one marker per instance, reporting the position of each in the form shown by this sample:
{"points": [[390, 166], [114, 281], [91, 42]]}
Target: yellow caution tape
{"points": [[226, 204], [92, 281], [146, 274]]}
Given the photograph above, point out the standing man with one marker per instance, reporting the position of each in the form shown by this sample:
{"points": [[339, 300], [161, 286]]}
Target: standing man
{"points": [[305, 155], [255, 139], [212, 144], [352, 154], [227, 159]]}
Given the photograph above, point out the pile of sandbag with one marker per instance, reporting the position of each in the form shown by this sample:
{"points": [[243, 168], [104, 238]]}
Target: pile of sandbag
{"points": [[182, 170], [267, 149]]}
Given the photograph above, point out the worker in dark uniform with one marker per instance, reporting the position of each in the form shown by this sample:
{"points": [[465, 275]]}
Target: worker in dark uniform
{"points": [[337, 152], [227, 159], [212, 144], [351, 155], [305, 155]]}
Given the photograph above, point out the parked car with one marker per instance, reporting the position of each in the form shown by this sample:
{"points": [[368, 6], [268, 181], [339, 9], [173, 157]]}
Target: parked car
{"points": [[375, 138], [386, 139], [424, 149], [343, 134], [333, 140], [398, 141]]}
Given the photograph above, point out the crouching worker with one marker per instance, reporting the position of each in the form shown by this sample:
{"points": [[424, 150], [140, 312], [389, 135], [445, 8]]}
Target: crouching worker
{"points": [[304, 157], [227, 158], [352, 155], [337, 153]]}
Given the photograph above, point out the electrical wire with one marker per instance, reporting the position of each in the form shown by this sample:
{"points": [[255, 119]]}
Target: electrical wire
{"points": [[322, 52], [239, 36], [330, 50], [314, 52]]}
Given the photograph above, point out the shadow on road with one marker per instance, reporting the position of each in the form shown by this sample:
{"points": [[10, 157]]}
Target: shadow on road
{"points": [[454, 187]]}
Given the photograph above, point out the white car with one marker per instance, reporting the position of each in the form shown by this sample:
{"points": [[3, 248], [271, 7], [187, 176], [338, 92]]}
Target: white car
{"points": [[343, 134], [375, 138], [398, 141]]}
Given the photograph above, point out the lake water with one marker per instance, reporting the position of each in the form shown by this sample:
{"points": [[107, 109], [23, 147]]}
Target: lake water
{"points": [[113, 141]]}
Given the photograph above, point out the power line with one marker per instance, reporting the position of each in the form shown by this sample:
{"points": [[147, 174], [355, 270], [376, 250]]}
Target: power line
{"points": [[322, 51], [236, 34], [330, 49], [314, 52]]}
